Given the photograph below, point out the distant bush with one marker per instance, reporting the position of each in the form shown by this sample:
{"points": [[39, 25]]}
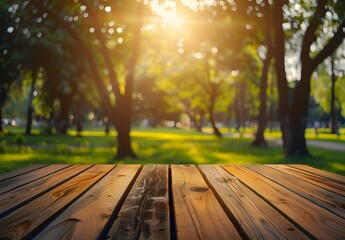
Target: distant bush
{"points": [[61, 149], [3, 147], [81, 143], [19, 140], [42, 145]]}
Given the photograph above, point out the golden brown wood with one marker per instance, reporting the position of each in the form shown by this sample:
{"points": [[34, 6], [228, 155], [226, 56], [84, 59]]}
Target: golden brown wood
{"points": [[320, 196], [24, 220], [5, 176], [320, 181], [198, 214], [257, 219], [21, 180], [316, 171], [319, 222], [145, 213], [86, 218], [21, 195]]}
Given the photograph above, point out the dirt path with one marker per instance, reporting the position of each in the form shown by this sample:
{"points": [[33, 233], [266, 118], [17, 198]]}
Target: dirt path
{"points": [[314, 143]]}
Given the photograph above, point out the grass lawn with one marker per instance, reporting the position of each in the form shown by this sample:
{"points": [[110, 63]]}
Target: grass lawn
{"points": [[160, 146]]}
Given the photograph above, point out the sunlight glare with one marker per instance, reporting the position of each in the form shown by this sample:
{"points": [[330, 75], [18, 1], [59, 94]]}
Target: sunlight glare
{"points": [[168, 12]]}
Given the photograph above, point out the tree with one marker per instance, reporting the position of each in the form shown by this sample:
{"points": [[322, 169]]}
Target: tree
{"points": [[293, 103], [120, 110]]}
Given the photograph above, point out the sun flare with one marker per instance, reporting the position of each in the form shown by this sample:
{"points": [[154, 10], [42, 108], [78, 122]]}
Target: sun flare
{"points": [[168, 12]]}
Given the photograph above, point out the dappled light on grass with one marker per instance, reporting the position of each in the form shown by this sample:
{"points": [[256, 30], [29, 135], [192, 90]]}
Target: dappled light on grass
{"points": [[154, 146]]}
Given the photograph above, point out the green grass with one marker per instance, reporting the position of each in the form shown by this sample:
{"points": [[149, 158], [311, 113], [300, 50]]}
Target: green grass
{"points": [[322, 135], [157, 146]]}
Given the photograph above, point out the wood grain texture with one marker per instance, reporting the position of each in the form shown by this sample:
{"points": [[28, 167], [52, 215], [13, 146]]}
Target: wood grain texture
{"points": [[18, 181], [323, 197], [5, 176], [319, 172], [86, 218], [319, 222], [198, 214], [32, 190], [257, 219], [320, 181], [26, 219], [145, 212]]}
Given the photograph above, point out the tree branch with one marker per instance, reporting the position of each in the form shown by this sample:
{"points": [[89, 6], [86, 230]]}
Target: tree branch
{"points": [[309, 35], [331, 46], [85, 51], [107, 59]]}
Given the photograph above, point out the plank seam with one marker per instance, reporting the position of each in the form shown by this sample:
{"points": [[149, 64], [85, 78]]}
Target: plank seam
{"points": [[171, 207], [103, 234], [17, 175], [231, 216], [302, 194], [274, 207], [15, 207], [319, 176], [44, 224], [67, 166], [315, 174]]}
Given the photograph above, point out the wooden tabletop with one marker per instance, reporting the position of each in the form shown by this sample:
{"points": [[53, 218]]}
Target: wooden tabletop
{"points": [[172, 202]]}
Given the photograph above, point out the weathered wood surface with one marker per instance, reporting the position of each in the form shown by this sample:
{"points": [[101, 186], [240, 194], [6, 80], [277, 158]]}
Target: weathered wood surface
{"points": [[86, 218], [255, 216], [145, 213], [176, 202], [20, 180], [198, 214], [317, 221], [24, 220], [20, 171]]}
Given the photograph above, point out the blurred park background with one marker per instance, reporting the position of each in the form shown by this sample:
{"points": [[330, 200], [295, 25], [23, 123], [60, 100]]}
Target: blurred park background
{"points": [[172, 81]]}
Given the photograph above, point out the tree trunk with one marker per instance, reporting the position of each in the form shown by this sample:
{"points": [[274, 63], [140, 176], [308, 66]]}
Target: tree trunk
{"points": [[107, 125], [199, 121], [299, 115], [1, 128], [211, 113], [50, 121], [63, 121], [239, 107], [30, 106], [259, 140], [124, 147], [334, 124], [2, 99], [79, 117], [123, 108], [283, 89]]}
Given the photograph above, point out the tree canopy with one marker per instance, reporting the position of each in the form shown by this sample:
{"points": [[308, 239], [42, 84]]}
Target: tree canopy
{"points": [[212, 61]]}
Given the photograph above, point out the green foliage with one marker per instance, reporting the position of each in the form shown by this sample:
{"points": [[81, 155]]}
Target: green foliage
{"points": [[3, 146], [19, 140]]}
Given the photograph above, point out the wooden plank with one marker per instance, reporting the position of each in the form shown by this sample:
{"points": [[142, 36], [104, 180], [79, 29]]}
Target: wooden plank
{"points": [[30, 191], [15, 182], [145, 213], [20, 171], [26, 219], [320, 181], [323, 197], [319, 222], [319, 172], [86, 218], [256, 218], [198, 214]]}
